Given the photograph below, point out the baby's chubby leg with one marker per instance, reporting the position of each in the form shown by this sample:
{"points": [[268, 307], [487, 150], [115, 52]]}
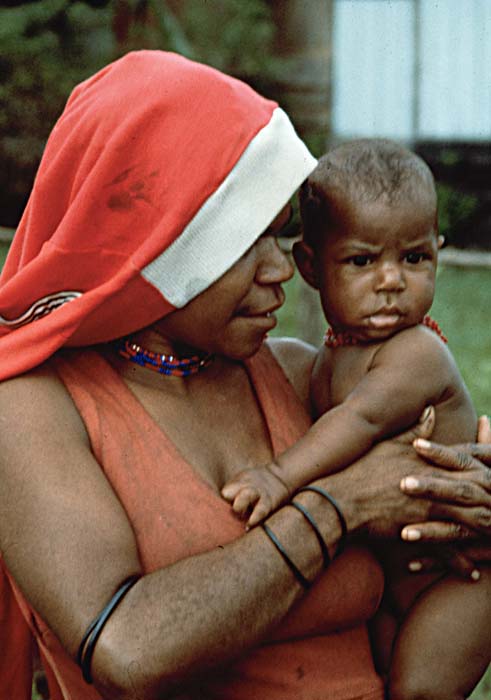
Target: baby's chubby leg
{"points": [[444, 645], [261, 489], [401, 591]]}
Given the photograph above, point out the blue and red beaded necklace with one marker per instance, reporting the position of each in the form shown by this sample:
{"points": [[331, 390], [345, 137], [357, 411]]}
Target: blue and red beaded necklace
{"points": [[169, 365]]}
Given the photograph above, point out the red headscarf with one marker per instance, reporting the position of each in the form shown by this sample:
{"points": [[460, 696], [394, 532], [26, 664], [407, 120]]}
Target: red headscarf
{"points": [[158, 176]]}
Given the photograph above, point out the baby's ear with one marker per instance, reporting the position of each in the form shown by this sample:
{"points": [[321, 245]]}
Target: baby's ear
{"points": [[304, 258]]}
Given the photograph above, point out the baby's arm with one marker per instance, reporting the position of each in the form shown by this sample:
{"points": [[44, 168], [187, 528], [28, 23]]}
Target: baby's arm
{"points": [[409, 371]]}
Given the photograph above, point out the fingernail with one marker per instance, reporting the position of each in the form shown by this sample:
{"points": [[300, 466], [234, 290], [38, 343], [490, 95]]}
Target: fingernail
{"points": [[425, 414], [475, 575], [410, 534], [415, 566], [421, 442], [410, 483]]}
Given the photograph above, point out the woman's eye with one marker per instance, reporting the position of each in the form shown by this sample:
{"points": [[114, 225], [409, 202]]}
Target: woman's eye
{"points": [[360, 260], [414, 258]]}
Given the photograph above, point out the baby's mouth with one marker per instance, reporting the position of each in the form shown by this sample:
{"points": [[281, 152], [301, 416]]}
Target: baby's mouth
{"points": [[383, 320]]}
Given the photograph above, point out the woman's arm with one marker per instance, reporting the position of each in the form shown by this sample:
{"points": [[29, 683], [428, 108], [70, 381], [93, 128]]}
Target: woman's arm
{"points": [[68, 543]]}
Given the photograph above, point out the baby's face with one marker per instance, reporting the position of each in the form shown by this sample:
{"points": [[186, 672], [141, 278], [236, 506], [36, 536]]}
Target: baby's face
{"points": [[376, 268]]}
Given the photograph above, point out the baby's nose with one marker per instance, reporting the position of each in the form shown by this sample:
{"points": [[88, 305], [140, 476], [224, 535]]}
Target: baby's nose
{"points": [[390, 277]]}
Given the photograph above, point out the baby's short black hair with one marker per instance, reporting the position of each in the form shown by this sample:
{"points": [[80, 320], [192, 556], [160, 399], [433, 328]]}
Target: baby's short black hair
{"points": [[364, 170]]}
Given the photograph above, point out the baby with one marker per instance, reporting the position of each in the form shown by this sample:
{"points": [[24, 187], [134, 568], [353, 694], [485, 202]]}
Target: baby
{"points": [[370, 243]]}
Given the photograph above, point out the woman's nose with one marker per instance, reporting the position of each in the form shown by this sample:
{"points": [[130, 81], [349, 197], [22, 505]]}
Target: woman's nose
{"points": [[273, 265], [390, 278]]}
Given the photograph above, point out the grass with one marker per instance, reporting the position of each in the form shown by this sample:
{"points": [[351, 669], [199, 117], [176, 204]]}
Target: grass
{"points": [[483, 690], [462, 308]]}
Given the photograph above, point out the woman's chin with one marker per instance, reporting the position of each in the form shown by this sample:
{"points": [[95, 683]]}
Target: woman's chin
{"points": [[245, 349]]}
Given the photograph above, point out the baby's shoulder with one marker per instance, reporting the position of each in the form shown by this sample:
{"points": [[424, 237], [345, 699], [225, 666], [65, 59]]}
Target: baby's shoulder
{"points": [[421, 352], [427, 359], [416, 342]]}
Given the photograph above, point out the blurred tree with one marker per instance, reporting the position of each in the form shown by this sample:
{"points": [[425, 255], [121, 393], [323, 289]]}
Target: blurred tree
{"points": [[45, 51], [456, 211], [50, 45], [305, 45], [304, 88], [461, 170]]}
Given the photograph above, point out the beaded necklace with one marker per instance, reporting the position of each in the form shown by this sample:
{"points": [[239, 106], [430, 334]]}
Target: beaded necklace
{"points": [[336, 340], [169, 365]]}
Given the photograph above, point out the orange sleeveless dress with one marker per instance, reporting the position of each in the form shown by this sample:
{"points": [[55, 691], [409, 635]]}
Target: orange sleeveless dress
{"points": [[175, 514]]}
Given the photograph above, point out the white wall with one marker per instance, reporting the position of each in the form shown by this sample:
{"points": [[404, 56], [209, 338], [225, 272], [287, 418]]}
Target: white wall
{"points": [[410, 69]]}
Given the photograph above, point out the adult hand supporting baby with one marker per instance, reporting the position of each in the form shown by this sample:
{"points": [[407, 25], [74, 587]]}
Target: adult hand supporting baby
{"points": [[436, 493], [451, 557], [463, 495]]}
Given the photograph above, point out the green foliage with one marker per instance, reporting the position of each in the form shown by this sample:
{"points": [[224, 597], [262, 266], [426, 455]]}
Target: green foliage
{"points": [[450, 157], [45, 52], [455, 211], [232, 35], [48, 46]]}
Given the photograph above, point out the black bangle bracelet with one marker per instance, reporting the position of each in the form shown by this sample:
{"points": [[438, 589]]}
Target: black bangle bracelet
{"points": [[87, 645], [308, 517], [335, 505], [296, 572]]}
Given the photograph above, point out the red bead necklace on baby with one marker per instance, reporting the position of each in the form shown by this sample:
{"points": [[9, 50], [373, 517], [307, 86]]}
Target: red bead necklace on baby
{"points": [[336, 340]]}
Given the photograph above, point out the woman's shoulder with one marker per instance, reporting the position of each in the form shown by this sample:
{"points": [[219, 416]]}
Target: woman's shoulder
{"points": [[37, 404], [296, 358]]}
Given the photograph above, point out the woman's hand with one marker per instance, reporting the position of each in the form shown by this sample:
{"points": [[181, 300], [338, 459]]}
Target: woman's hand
{"points": [[432, 493], [462, 560], [463, 495]]}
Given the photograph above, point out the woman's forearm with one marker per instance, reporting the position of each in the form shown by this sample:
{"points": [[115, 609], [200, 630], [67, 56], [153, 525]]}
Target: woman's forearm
{"points": [[204, 611]]}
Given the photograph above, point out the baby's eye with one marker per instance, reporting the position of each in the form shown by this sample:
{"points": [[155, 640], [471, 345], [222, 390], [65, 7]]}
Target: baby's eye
{"points": [[415, 258], [360, 260]]}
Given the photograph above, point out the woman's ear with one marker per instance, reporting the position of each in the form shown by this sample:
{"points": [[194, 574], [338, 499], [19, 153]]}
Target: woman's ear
{"points": [[304, 259]]}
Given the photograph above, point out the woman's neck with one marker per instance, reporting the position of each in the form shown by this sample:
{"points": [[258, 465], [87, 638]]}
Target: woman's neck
{"points": [[154, 341], [129, 362]]}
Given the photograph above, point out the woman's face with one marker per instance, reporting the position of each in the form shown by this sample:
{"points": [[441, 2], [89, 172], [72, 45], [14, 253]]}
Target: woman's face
{"points": [[233, 316]]}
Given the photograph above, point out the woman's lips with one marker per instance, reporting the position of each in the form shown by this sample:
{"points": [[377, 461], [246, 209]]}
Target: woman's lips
{"points": [[258, 313], [264, 320]]}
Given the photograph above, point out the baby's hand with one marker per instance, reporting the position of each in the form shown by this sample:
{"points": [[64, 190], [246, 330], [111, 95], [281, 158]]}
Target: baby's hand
{"points": [[259, 489]]}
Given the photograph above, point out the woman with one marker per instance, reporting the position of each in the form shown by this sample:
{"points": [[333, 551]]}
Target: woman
{"points": [[153, 217]]}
